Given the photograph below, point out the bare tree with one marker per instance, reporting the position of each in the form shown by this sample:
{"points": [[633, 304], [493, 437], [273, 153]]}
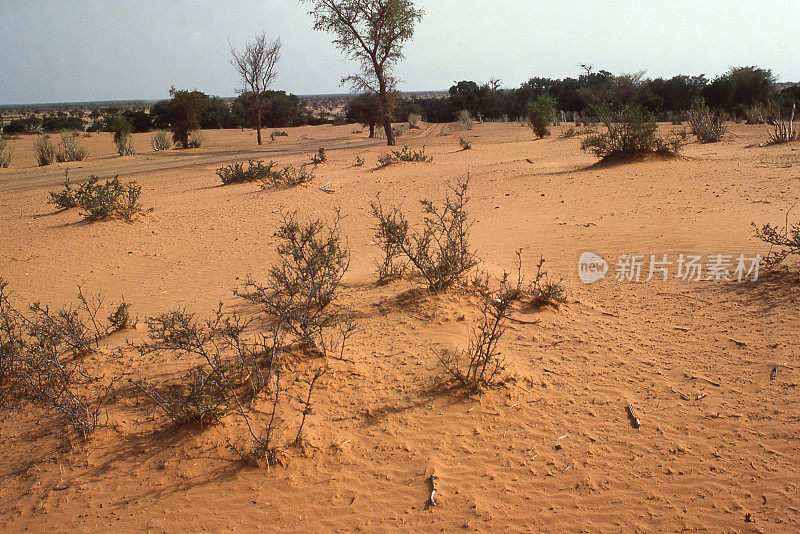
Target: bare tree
{"points": [[256, 68], [373, 33]]}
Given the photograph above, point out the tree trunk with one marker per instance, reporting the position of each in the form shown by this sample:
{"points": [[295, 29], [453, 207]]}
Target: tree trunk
{"points": [[258, 125], [371, 130], [386, 112]]}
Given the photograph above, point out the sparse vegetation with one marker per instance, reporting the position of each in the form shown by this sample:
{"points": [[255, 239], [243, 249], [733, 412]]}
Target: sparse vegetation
{"points": [[256, 68], [319, 157], [784, 132], [709, 127], [465, 120], [405, 155], [196, 139], [359, 162], [301, 288], [465, 144], [160, 141], [784, 242], [413, 121], [276, 134], [289, 176], [633, 136], [41, 359], [440, 252], [5, 154], [540, 115], [69, 149], [122, 140], [45, 151], [236, 173], [111, 199]]}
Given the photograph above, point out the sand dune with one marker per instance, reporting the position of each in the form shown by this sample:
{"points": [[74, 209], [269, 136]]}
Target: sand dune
{"points": [[553, 450]]}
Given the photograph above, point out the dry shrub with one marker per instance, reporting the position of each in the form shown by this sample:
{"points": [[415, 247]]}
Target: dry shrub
{"points": [[69, 149], [319, 157], [465, 144], [784, 242], [236, 173], [45, 151], [439, 252], [465, 120], [160, 140], [709, 127], [196, 139], [5, 154], [41, 358], [122, 140], [784, 132]]}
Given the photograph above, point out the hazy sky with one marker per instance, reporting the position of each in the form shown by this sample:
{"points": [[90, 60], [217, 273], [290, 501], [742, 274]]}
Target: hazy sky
{"points": [[79, 50]]}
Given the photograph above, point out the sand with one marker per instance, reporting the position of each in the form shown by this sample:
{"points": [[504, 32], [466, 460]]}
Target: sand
{"points": [[552, 450]]}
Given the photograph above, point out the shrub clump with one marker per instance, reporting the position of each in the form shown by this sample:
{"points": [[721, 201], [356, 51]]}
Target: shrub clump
{"points": [[632, 135], [160, 140], [5, 154], [405, 155], [465, 120], [319, 157], [786, 240], [122, 140], [439, 252], [111, 199], [465, 144], [540, 115], [69, 149], [45, 151], [196, 139], [236, 172], [784, 132], [276, 134], [709, 127]]}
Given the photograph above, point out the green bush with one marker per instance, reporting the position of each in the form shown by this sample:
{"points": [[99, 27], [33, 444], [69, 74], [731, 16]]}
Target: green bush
{"points": [[236, 173], [45, 151], [100, 201], [406, 155], [540, 115], [629, 135], [160, 140]]}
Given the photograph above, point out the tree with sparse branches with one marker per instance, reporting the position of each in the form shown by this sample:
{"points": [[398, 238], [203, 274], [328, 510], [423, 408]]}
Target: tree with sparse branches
{"points": [[256, 68], [373, 33]]}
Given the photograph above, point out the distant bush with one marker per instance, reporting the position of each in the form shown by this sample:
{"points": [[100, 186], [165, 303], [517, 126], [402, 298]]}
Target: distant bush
{"points": [[413, 121], [465, 144], [709, 127], [784, 132], [100, 201], [69, 149], [5, 154], [160, 140], [196, 139], [236, 173], [405, 155], [440, 252], [122, 141], [465, 120], [569, 133], [277, 134], [45, 151], [540, 115], [633, 136]]}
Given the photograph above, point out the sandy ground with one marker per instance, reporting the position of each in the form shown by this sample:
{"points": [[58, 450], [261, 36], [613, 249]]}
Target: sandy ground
{"points": [[552, 450]]}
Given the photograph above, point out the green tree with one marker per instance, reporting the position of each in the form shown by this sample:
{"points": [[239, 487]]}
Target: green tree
{"points": [[540, 115], [373, 33], [185, 110]]}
